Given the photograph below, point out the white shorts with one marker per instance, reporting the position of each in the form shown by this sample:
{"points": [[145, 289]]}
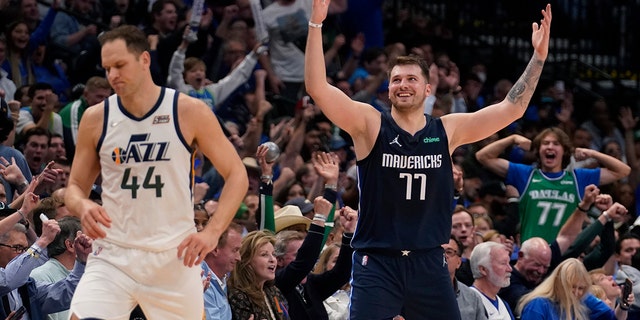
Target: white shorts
{"points": [[117, 278]]}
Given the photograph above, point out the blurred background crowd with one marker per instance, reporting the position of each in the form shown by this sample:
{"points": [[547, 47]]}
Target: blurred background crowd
{"points": [[245, 59]]}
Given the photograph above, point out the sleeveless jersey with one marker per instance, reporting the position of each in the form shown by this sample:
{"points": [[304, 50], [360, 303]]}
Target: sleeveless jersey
{"points": [[146, 175], [406, 189], [546, 204], [493, 313]]}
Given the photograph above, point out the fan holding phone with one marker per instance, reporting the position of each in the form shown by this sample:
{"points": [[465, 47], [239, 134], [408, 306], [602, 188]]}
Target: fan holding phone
{"points": [[626, 298], [15, 315], [619, 297]]}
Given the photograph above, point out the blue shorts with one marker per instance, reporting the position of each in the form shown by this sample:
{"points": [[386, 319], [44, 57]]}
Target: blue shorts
{"points": [[415, 285]]}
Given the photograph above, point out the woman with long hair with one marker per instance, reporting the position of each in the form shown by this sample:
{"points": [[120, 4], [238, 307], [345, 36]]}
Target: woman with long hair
{"points": [[20, 46], [563, 295], [613, 293], [252, 291]]}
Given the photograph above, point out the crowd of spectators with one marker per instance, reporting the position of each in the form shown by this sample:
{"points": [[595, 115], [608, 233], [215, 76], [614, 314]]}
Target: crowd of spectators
{"points": [[521, 246]]}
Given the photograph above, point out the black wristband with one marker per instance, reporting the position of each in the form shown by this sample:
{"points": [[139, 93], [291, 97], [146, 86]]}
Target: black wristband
{"points": [[330, 195], [583, 210]]}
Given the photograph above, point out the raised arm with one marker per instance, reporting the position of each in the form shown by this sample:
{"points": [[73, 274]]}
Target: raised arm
{"points": [[230, 12], [349, 115], [265, 206], [572, 227], [259, 109], [338, 42], [12, 174], [612, 168], [290, 276], [175, 79], [497, 116], [296, 140], [332, 280], [489, 156], [226, 86], [47, 113], [326, 165]]}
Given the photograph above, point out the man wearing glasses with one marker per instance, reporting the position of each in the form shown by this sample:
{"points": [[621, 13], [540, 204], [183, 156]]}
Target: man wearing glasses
{"points": [[469, 302], [15, 248], [14, 243], [18, 260]]}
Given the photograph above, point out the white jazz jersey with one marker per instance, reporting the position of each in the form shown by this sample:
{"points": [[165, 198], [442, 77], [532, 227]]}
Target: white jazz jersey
{"points": [[146, 175]]}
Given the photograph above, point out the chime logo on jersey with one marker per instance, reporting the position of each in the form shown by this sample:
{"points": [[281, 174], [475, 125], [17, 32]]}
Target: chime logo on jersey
{"points": [[140, 149]]}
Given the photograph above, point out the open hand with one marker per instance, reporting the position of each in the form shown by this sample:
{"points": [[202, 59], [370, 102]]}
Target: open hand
{"points": [[540, 34]]}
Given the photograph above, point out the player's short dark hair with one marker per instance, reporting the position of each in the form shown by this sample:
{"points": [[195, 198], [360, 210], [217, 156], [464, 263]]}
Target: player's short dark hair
{"points": [[133, 37], [410, 60]]}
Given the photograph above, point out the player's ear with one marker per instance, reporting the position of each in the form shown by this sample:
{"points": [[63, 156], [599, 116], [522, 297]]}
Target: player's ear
{"points": [[427, 90], [145, 58]]}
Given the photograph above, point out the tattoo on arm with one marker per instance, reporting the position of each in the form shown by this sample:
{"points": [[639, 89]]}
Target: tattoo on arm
{"points": [[522, 91]]}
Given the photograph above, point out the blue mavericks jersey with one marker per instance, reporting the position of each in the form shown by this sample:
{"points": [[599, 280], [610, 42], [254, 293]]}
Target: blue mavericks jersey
{"points": [[406, 189]]}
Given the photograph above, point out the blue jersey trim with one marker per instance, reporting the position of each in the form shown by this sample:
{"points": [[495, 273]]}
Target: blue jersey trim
{"points": [[176, 124], [148, 114], [105, 120]]}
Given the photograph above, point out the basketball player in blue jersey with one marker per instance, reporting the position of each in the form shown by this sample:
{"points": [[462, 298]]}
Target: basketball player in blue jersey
{"points": [[141, 140], [405, 177]]}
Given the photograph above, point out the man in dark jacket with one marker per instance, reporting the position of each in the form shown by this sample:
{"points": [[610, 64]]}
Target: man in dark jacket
{"points": [[305, 292]]}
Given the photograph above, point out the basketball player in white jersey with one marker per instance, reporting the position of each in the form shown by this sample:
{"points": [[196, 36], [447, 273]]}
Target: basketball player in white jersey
{"points": [[141, 140]]}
